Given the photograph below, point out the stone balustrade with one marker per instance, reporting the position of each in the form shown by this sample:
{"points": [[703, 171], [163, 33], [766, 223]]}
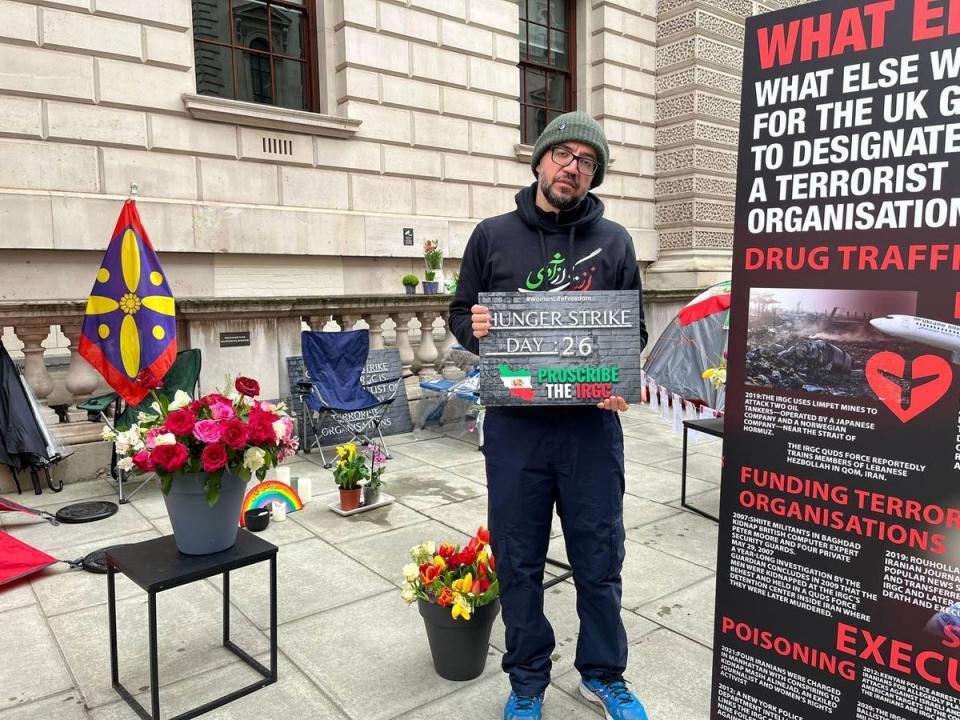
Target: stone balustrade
{"points": [[392, 321]]}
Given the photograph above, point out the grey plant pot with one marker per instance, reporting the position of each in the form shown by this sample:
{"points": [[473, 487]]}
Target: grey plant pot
{"points": [[411, 289], [370, 497], [199, 529], [430, 287]]}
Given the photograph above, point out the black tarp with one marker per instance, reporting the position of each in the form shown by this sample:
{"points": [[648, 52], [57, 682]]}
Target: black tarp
{"points": [[22, 441]]}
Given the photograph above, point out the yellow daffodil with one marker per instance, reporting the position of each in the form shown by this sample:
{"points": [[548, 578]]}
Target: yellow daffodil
{"points": [[463, 585], [460, 608]]}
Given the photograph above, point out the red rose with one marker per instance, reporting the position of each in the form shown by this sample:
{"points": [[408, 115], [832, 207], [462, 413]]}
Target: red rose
{"points": [[261, 428], [214, 398], [143, 461], [247, 386], [170, 458], [213, 457], [195, 407], [235, 434], [180, 422], [146, 378]]}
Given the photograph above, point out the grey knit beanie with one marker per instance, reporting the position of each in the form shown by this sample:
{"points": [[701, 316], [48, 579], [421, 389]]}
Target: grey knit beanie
{"points": [[576, 127]]}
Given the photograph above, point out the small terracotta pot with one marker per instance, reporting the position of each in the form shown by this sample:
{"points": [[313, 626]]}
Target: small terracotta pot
{"points": [[349, 499]]}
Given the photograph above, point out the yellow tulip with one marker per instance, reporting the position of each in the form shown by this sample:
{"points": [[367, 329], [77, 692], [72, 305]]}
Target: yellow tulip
{"points": [[440, 562], [460, 608], [463, 585], [483, 557]]}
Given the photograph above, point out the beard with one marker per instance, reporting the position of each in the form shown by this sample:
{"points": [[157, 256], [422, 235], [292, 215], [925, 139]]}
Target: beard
{"points": [[560, 202]]}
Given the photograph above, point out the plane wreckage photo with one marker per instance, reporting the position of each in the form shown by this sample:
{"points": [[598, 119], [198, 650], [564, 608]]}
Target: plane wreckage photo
{"points": [[819, 341]]}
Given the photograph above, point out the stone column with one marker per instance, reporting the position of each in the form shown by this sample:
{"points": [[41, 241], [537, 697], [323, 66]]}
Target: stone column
{"points": [[403, 340], [81, 379], [427, 352], [34, 370], [375, 321]]}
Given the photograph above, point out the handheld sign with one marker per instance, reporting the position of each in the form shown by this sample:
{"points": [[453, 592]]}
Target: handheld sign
{"points": [[560, 348]]}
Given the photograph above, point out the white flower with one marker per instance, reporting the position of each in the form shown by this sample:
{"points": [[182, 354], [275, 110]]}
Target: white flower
{"points": [[122, 448], [156, 406], [165, 439], [143, 418], [125, 464], [107, 434], [431, 547], [253, 458], [410, 572], [180, 400], [408, 595], [131, 438]]}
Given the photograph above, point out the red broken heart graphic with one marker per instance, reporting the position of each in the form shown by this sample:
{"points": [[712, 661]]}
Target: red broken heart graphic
{"points": [[884, 366]]}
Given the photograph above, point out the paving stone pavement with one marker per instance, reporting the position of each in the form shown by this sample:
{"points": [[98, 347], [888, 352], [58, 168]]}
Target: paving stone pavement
{"points": [[349, 648]]}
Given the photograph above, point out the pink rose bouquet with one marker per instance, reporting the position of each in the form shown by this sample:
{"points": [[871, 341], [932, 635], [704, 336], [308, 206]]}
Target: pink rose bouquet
{"points": [[213, 434]]}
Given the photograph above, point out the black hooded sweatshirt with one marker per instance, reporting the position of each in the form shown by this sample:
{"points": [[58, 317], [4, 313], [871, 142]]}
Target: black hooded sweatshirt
{"points": [[533, 250]]}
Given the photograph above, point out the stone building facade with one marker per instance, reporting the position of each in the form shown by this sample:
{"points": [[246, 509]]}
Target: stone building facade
{"points": [[416, 124]]}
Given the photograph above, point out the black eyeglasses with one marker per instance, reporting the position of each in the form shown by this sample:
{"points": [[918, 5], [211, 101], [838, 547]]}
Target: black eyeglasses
{"points": [[563, 157]]}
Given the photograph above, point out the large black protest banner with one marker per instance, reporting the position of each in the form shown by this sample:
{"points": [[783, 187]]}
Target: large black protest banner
{"points": [[839, 560]]}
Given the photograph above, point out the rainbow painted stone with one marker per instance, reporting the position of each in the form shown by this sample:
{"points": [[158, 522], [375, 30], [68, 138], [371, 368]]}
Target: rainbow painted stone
{"points": [[267, 492]]}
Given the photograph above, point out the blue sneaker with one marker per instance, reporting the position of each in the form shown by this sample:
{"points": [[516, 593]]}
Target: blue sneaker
{"points": [[618, 702], [523, 707]]}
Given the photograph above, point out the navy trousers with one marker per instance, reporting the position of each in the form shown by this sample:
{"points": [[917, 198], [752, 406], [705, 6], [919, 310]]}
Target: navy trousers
{"points": [[572, 457]]}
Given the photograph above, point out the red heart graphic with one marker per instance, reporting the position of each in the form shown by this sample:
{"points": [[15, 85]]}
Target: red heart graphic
{"points": [[886, 365]]}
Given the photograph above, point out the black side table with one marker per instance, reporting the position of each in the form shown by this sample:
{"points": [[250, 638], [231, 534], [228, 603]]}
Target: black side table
{"points": [[157, 565], [710, 426]]}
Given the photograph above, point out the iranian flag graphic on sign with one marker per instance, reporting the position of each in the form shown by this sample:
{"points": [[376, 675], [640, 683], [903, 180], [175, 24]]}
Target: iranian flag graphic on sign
{"points": [[516, 381]]}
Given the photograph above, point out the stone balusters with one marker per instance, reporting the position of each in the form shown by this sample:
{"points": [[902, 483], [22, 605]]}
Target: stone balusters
{"points": [[427, 352], [375, 322], [34, 370], [82, 380], [403, 339], [317, 322], [448, 369], [347, 321]]}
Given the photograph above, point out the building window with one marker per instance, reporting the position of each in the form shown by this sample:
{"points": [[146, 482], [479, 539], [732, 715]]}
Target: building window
{"points": [[256, 50], [546, 63]]}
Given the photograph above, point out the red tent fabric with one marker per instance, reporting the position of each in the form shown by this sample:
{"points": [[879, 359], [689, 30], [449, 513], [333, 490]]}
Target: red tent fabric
{"points": [[17, 559]]}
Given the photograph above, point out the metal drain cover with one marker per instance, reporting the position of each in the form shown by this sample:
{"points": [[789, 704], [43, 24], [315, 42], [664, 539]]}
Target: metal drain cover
{"points": [[84, 512]]}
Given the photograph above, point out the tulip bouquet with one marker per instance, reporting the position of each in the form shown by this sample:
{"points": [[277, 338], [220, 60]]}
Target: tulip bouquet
{"points": [[462, 579], [717, 375], [214, 434]]}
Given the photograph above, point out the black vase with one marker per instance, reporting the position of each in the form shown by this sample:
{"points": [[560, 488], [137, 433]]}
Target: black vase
{"points": [[459, 647]]}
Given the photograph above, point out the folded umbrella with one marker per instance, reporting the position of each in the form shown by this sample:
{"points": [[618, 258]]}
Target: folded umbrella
{"points": [[11, 506]]}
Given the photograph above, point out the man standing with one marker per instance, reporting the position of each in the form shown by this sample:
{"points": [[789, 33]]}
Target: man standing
{"points": [[556, 240]]}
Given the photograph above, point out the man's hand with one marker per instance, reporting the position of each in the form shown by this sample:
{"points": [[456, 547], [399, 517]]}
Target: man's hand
{"points": [[614, 402], [481, 320]]}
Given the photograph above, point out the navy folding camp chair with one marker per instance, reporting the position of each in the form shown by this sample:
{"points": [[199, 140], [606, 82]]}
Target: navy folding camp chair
{"points": [[334, 390]]}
